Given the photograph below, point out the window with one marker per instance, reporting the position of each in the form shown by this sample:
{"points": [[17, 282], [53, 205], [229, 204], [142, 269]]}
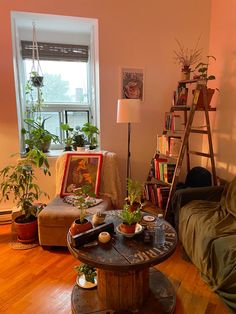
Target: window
{"points": [[68, 68]]}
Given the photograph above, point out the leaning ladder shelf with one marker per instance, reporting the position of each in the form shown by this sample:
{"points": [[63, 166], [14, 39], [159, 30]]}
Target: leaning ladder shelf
{"points": [[189, 113]]}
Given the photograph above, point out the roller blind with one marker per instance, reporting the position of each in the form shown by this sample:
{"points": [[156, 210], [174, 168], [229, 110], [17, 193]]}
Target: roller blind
{"points": [[55, 51]]}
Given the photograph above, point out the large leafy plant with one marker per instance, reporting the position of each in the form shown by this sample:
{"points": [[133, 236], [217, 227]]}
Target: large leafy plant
{"points": [[18, 182]]}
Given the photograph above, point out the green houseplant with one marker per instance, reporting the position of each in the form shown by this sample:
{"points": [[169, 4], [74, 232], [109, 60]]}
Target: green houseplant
{"points": [[78, 138], [129, 219], [134, 194], [83, 198], [203, 77], [89, 272], [37, 136], [69, 136], [91, 132], [18, 182]]}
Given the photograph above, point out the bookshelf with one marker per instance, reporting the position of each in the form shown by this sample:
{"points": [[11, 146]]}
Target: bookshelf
{"points": [[173, 143]]}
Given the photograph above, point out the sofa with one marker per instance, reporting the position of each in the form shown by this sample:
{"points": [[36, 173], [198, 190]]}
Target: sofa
{"points": [[206, 222]]}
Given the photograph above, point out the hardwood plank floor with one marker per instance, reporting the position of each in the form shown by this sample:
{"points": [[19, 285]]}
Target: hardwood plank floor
{"points": [[40, 281]]}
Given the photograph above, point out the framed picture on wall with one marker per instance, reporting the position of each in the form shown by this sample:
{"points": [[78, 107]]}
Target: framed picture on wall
{"points": [[132, 83], [81, 169]]}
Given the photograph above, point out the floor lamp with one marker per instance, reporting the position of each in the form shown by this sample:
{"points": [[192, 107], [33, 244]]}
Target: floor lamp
{"points": [[128, 111]]}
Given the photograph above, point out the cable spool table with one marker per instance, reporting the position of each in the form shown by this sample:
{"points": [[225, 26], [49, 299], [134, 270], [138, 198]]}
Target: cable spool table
{"points": [[126, 280]]}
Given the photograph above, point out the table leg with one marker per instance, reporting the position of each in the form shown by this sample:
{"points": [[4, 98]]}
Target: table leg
{"points": [[123, 290], [161, 298]]}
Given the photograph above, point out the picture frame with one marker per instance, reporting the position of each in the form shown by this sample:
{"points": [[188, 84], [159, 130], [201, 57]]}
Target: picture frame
{"points": [[81, 169], [132, 83]]}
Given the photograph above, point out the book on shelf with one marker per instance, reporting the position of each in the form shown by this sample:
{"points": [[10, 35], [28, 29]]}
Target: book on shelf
{"points": [[174, 145], [173, 122], [181, 95]]}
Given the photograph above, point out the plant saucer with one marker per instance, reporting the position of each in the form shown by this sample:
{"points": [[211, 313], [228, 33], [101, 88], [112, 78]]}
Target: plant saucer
{"points": [[138, 229], [83, 283]]}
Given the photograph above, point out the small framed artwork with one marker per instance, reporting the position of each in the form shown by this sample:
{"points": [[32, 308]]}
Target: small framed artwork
{"points": [[132, 83], [81, 169]]}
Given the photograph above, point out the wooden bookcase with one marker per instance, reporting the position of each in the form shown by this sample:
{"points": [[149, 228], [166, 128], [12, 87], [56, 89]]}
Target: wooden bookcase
{"points": [[173, 144]]}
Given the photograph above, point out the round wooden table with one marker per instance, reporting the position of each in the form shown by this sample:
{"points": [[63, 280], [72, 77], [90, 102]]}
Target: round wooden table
{"points": [[126, 283]]}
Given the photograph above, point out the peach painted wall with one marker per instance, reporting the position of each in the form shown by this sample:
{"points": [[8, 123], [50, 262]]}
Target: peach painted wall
{"points": [[132, 33], [223, 46]]}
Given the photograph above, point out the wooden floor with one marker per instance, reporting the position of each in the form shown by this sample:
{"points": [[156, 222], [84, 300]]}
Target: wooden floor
{"points": [[37, 281]]}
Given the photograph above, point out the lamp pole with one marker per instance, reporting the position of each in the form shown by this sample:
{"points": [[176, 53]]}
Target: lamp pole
{"points": [[129, 154]]}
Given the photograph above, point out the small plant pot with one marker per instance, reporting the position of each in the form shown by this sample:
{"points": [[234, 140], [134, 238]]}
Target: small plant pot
{"points": [[68, 148], [125, 228], [77, 227], [37, 81], [200, 103]]}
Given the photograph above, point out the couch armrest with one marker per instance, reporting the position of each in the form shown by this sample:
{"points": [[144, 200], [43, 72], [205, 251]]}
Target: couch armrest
{"points": [[184, 196]]}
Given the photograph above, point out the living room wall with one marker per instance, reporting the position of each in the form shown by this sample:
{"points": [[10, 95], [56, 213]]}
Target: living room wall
{"points": [[139, 34], [222, 45]]}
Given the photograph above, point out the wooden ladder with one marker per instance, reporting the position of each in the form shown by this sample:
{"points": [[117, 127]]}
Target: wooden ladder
{"points": [[185, 141]]}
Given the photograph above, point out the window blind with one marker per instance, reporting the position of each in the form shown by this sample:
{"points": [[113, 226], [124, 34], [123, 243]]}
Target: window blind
{"points": [[55, 51]]}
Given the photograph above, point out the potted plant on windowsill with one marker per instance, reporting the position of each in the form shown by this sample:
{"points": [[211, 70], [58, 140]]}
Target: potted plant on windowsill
{"points": [[79, 140], [18, 181], [37, 136], [83, 198], [69, 136], [91, 132]]}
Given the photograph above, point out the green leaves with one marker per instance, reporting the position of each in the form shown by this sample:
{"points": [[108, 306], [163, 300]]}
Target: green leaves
{"points": [[129, 217]]}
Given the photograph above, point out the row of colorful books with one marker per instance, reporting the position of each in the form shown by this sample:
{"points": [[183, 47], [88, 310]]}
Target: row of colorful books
{"points": [[156, 194], [163, 170]]}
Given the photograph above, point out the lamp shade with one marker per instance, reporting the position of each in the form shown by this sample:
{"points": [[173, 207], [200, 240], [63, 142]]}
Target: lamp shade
{"points": [[128, 110]]}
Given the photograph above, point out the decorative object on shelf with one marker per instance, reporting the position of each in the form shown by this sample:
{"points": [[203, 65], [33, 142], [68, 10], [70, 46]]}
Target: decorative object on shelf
{"points": [[91, 132], [89, 273], [81, 169], [18, 182], [203, 77], [98, 218], [186, 58], [132, 83], [128, 111]]}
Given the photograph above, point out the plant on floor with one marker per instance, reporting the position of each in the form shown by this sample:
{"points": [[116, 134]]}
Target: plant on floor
{"points": [[89, 272], [18, 183]]}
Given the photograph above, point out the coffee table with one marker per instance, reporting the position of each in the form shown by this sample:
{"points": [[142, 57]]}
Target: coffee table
{"points": [[126, 280]]}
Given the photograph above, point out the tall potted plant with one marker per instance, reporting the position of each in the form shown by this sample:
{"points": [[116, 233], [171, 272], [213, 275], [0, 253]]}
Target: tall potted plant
{"points": [[83, 198], [18, 181]]}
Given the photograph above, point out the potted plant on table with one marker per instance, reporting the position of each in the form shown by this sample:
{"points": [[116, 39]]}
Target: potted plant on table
{"points": [[82, 199], [18, 181], [134, 194], [129, 219]]}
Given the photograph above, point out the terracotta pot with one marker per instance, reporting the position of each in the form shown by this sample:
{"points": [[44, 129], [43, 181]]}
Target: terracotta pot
{"points": [[127, 228], [78, 227], [210, 93], [27, 232]]}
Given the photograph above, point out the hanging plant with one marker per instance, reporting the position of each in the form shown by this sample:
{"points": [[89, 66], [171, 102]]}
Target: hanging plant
{"points": [[36, 74]]}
